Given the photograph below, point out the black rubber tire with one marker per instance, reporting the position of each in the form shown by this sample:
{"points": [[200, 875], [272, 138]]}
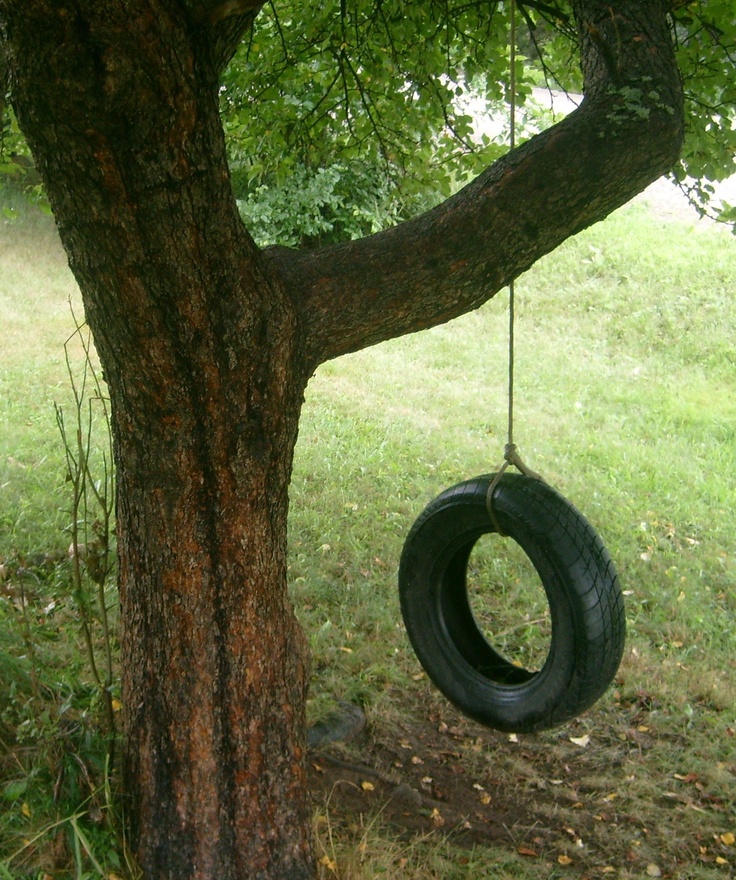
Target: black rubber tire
{"points": [[580, 582]]}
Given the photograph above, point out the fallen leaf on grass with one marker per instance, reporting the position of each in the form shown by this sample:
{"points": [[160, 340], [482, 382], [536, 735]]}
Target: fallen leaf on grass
{"points": [[525, 851], [687, 777], [564, 860], [728, 839], [367, 786], [581, 741], [654, 870], [437, 818]]}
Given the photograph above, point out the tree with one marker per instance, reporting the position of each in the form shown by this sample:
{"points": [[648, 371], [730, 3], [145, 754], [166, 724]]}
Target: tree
{"points": [[207, 344]]}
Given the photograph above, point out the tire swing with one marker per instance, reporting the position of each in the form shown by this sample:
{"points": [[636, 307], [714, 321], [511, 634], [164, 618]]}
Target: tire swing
{"points": [[585, 602], [579, 580]]}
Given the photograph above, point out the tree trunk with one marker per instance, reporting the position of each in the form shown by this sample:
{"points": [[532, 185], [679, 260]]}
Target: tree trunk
{"points": [[207, 345], [201, 355]]}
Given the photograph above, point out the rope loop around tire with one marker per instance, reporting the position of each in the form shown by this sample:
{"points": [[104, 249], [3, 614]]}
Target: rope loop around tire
{"points": [[579, 581], [511, 456]]}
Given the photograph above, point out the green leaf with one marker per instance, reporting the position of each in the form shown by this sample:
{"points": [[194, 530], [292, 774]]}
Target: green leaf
{"points": [[15, 789]]}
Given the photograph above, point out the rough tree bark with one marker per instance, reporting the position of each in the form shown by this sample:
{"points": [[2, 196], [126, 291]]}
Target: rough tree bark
{"points": [[207, 344]]}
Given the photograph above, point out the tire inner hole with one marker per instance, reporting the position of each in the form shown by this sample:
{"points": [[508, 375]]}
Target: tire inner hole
{"points": [[508, 602]]}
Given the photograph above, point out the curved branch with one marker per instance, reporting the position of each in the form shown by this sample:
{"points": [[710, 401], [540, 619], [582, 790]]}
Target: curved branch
{"points": [[450, 260]]}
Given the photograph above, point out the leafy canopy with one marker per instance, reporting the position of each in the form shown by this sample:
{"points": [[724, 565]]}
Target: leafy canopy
{"points": [[387, 88], [344, 116]]}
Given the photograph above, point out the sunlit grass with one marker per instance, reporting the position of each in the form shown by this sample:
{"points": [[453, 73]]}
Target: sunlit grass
{"points": [[634, 425], [36, 289]]}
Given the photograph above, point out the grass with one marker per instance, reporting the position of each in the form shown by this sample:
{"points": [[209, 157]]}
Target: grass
{"points": [[626, 402], [36, 288]]}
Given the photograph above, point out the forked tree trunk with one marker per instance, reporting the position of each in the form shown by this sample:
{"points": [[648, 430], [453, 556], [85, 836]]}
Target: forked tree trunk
{"points": [[207, 345]]}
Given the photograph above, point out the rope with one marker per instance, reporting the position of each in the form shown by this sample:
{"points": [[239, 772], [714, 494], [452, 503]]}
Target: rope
{"points": [[511, 455]]}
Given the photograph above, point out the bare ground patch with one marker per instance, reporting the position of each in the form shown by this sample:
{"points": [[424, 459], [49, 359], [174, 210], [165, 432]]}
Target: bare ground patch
{"points": [[590, 799]]}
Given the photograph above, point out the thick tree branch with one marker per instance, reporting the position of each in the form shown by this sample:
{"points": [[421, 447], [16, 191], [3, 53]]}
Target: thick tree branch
{"points": [[626, 134]]}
